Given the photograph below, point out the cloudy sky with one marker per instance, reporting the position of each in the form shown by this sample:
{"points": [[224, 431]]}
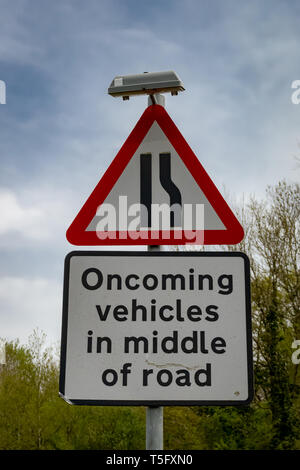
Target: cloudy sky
{"points": [[59, 129]]}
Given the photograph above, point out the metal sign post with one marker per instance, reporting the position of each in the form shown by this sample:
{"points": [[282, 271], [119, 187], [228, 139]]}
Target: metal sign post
{"points": [[154, 428], [154, 414]]}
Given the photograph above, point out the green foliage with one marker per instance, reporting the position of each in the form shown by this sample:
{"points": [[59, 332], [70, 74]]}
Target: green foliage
{"points": [[181, 429], [33, 416], [236, 428], [274, 247]]}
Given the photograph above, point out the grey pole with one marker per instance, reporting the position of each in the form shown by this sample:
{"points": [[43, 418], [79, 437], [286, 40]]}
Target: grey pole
{"points": [[154, 428], [156, 99], [154, 414]]}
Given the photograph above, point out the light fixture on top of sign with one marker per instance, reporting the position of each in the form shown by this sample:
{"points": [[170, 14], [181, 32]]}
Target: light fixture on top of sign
{"points": [[147, 83]]}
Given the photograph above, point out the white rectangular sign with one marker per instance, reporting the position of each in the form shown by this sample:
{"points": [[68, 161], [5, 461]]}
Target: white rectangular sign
{"points": [[156, 328]]}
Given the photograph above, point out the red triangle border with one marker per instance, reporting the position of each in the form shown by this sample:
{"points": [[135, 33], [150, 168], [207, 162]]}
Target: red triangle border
{"points": [[77, 235]]}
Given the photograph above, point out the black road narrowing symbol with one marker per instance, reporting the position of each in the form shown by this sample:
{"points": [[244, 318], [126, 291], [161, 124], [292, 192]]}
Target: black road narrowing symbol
{"points": [[167, 184]]}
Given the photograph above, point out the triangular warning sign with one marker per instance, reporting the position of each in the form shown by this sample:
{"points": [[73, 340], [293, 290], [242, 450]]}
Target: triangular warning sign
{"points": [[155, 192]]}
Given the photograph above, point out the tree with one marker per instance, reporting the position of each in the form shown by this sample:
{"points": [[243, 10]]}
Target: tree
{"points": [[274, 247], [26, 387], [272, 243], [33, 416]]}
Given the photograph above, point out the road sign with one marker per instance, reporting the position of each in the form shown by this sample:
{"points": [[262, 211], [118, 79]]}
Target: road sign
{"points": [[156, 328], [155, 192]]}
